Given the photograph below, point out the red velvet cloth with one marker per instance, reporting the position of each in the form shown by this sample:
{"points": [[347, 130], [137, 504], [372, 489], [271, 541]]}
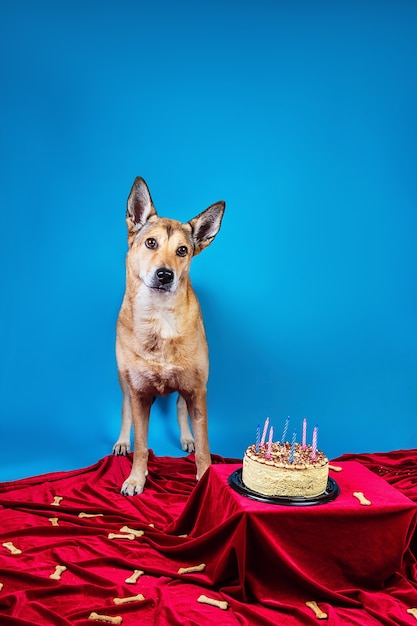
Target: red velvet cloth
{"points": [[266, 561], [323, 551]]}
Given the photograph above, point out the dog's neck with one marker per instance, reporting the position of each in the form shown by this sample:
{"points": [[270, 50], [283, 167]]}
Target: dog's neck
{"points": [[157, 312], [160, 314]]}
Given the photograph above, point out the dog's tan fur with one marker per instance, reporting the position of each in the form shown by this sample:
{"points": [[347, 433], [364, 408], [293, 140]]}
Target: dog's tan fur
{"points": [[161, 344]]}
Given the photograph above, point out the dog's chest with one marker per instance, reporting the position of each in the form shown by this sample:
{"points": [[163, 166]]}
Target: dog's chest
{"points": [[160, 366], [161, 348], [154, 328]]}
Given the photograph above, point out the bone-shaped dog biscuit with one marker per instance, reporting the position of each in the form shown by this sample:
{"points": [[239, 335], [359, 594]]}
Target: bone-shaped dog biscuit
{"points": [[316, 610], [106, 618], [192, 569], [130, 536], [137, 598], [137, 573], [335, 468], [359, 495], [57, 500], [221, 604], [132, 531], [412, 612], [57, 573], [11, 547], [82, 514], [1, 586], [53, 520]]}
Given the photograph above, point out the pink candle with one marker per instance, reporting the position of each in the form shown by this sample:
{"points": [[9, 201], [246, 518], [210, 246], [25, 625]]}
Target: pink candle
{"points": [[314, 443], [268, 454], [264, 431], [304, 441]]}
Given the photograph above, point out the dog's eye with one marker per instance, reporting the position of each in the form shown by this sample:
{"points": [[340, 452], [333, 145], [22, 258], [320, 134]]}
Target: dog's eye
{"points": [[182, 251], [151, 243]]}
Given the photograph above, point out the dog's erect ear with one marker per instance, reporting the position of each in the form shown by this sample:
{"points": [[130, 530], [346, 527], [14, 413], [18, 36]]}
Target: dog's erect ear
{"points": [[206, 226], [139, 207]]}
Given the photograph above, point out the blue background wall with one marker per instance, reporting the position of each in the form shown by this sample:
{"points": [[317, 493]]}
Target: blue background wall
{"points": [[302, 116]]}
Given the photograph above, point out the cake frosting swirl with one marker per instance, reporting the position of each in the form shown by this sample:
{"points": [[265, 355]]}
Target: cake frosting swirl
{"points": [[290, 471]]}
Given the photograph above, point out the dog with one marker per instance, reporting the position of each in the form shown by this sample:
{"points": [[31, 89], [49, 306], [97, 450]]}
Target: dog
{"points": [[161, 344]]}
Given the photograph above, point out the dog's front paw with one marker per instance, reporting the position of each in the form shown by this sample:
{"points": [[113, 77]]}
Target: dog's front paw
{"points": [[133, 486], [187, 444], [121, 448]]}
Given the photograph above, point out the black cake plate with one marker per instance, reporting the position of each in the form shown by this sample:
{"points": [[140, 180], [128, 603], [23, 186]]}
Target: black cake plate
{"points": [[331, 493]]}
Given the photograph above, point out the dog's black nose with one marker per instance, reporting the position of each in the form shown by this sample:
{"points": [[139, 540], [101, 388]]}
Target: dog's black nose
{"points": [[164, 275]]}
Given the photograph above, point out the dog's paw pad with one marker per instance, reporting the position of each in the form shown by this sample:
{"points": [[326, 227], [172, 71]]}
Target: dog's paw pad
{"points": [[121, 448]]}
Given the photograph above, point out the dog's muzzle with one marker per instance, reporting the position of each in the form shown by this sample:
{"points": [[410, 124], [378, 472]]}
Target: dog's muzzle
{"points": [[164, 277]]}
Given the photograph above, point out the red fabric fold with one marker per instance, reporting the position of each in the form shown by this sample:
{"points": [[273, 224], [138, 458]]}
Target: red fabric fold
{"points": [[266, 561]]}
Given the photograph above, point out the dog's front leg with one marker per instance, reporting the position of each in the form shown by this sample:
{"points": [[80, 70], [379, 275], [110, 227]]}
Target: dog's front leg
{"points": [[141, 406], [186, 437], [197, 408], [122, 445]]}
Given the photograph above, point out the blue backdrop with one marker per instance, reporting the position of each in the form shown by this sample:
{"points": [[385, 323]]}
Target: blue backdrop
{"points": [[301, 116]]}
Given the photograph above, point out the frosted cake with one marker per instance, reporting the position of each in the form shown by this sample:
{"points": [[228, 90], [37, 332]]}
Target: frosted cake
{"points": [[292, 470]]}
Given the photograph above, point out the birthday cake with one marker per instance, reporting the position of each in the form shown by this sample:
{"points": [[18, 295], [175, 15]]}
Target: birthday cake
{"points": [[285, 469]]}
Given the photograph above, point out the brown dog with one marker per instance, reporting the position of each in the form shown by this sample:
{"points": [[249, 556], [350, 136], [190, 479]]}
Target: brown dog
{"points": [[161, 344]]}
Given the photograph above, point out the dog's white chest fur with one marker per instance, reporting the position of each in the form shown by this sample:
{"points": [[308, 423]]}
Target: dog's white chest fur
{"points": [[154, 319]]}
